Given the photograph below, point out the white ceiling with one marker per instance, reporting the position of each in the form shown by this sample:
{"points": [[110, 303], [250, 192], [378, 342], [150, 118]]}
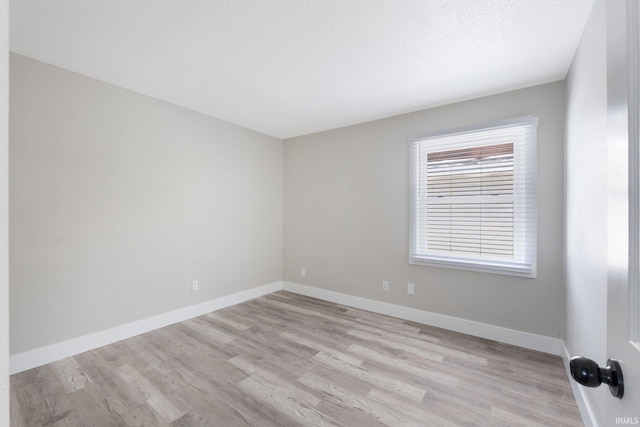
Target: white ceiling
{"points": [[293, 67]]}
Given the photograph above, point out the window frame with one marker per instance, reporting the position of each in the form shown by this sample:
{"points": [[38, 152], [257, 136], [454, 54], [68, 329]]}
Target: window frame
{"points": [[524, 262]]}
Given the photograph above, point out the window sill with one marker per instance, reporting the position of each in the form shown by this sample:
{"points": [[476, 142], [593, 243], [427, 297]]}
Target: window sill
{"points": [[492, 267]]}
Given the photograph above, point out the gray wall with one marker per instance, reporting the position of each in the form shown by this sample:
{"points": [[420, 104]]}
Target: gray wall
{"points": [[119, 201], [346, 216], [4, 212], [586, 195]]}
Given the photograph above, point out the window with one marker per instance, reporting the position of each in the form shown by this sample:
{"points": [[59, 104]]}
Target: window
{"points": [[473, 198]]}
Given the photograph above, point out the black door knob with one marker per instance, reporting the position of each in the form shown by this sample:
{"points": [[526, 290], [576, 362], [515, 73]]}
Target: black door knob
{"points": [[589, 374]]}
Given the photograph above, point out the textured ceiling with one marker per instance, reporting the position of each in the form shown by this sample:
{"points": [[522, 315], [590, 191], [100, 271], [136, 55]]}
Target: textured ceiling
{"points": [[292, 67]]}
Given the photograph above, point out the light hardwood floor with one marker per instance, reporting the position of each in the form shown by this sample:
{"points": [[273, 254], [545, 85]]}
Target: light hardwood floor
{"points": [[288, 360]]}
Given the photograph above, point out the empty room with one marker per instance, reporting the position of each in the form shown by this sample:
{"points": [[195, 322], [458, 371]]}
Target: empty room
{"points": [[320, 212]]}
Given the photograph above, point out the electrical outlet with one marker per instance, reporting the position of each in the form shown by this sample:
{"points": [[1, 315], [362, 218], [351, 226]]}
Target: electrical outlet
{"points": [[303, 272], [410, 288], [385, 285], [194, 286]]}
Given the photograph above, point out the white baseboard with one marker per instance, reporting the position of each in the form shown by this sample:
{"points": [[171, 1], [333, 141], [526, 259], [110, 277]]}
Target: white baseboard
{"points": [[47, 354], [528, 340], [51, 353], [483, 330], [585, 407]]}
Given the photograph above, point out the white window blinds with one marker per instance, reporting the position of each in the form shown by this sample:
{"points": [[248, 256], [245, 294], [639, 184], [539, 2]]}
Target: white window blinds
{"points": [[474, 200]]}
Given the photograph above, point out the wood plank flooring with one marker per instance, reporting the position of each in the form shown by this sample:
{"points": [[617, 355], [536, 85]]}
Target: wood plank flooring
{"points": [[289, 360]]}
